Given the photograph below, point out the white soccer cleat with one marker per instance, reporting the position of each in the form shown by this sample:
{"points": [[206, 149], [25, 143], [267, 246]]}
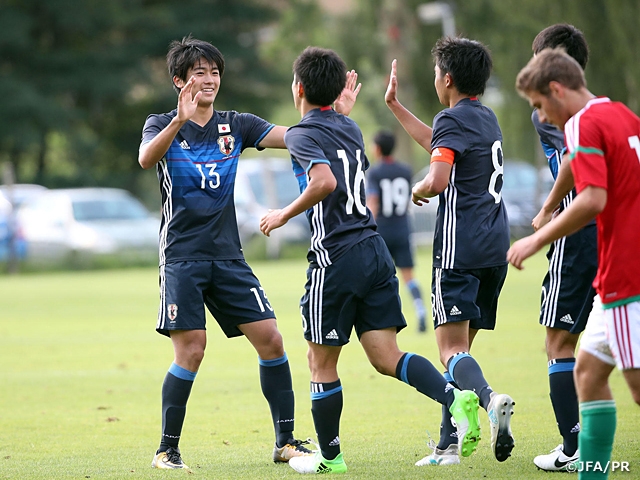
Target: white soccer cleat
{"points": [[500, 412], [316, 463], [448, 456], [556, 460], [168, 459]]}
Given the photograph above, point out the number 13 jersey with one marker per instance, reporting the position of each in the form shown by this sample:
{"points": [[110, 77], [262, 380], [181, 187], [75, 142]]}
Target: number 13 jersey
{"points": [[342, 219], [197, 177], [472, 230]]}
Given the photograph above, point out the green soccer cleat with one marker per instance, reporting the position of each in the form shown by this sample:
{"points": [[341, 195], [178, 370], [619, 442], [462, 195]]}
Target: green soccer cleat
{"points": [[318, 464], [168, 459], [464, 411]]}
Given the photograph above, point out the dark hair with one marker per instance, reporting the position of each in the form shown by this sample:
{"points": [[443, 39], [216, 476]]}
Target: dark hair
{"points": [[322, 73], [386, 141], [184, 54], [467, 61], [550, 65], [565, 36]]}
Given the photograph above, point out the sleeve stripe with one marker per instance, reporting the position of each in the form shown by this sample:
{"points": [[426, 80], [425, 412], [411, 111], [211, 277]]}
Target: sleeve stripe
{"points": [[586, 150]]}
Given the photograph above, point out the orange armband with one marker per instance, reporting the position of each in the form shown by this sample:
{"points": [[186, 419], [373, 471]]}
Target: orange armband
{"points": [[442, 154]]}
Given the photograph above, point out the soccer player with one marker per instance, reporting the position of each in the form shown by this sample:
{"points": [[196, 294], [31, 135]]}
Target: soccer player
{"points": [[195, 150], [567, 293], [351, 280], [388, 196], [472, 233], [603, 144]]}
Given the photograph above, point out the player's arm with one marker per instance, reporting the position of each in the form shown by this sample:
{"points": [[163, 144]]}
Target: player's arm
{"points": [[321, 183], [437, 179], [589, 203], [275, 138], [418, 130], [373, 200], [152, 152], [562, 186]]}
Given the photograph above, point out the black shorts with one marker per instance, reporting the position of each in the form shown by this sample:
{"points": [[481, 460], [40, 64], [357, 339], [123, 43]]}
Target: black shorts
{"points": [[228, 288], [567, 291], [399, 246], [458, 295], [359, 290]]}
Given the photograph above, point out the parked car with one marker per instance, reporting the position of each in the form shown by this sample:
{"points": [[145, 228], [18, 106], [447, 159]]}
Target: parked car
{"points": [[263, 184], [524, 190], [68, 224]]}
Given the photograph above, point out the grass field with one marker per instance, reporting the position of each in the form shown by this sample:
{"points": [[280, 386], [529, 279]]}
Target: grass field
{"points": [[81, 369]]}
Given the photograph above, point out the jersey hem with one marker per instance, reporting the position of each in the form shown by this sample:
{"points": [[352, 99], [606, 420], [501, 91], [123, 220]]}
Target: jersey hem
{"points": [[621, 302]]}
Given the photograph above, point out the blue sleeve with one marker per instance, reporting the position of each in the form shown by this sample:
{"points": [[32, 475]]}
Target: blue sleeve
{"points": [[372, 183], [304, 147], [552, 141], [253, 129], [153, 126], [448, 133]]}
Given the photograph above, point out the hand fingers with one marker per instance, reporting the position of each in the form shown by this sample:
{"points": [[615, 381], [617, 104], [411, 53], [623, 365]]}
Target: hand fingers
{"points": [[357, 90]]}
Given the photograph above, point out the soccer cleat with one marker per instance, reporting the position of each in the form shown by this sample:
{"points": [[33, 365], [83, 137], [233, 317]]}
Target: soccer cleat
{"points": [[464, 411], [500, 411], [168, 459], [295, 448], [448, 456], [556, 461], [316, 463]]}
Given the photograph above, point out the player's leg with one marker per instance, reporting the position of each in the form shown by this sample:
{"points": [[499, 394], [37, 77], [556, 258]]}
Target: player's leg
{"points": [[326, 409], [385, 356], [181, 316], [403, 259], [561, 345], [594, 364], [239, 304]]}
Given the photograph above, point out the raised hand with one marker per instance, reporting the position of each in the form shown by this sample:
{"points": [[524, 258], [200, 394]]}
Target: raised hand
{"points": [[187, 104], [347, 99], [390, 95]]}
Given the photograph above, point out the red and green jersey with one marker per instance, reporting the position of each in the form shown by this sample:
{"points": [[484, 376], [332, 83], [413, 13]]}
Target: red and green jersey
{"points": [[603, 140]]}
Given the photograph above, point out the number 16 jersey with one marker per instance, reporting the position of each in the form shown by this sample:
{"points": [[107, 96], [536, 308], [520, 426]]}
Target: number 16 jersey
{"points": [[342, 219], [472, 230]]}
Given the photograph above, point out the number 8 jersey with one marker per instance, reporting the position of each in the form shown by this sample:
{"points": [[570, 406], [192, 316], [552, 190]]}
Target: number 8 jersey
{"points": [[342, 219], [472, 230], [197, 177]]}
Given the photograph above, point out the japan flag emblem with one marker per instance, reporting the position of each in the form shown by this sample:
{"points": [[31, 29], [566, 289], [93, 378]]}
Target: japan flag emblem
{"points": [[224, 128], [226, 144]]}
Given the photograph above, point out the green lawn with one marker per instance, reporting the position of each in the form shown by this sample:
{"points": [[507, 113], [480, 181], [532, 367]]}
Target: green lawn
{"points": [[82, 367]]}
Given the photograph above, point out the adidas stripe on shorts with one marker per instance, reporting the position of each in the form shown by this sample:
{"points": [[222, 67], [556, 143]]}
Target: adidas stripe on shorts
{"points": [[458, 295], [613, 334], [357, 291]]}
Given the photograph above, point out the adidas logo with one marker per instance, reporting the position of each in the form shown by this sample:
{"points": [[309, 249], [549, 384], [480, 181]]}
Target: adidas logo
{"points": [[332, 335], [185, 145], [335, 442], [322, 468], [567, 319], [448, 387], [455, 311], [576, 429]]}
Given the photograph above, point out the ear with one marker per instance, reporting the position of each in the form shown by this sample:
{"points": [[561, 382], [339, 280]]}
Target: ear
{"points": [[300, 90], [556, 88], [448, 80], [178, 82]]}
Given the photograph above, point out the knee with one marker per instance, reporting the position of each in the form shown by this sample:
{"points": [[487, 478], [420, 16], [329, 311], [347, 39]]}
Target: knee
{"points": [[271, 345], [191, 357]]}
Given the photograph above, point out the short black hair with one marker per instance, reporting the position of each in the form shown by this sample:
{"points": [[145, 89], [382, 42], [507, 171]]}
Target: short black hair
{"points": [[184, 54], [322, 73], [386, 141], [467, 61], [565, 36]]}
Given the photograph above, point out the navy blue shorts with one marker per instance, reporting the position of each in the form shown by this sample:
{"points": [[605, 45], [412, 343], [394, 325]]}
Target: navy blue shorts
{"points": [[359, 290], [399, 246], [460, 295], [567, 291], [228, 288]]}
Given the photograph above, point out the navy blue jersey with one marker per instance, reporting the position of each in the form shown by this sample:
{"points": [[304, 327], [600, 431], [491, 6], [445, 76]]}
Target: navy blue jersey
{"points": [[472, 230], [197, 177], [391, 183], [342, 219]]}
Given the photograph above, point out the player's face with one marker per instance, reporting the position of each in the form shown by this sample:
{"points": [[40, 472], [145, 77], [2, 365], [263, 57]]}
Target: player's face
{"points": [[550, 108], [207, 78]]}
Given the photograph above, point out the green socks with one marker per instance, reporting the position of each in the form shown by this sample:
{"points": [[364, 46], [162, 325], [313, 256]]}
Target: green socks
{"points": [[595, 440]]}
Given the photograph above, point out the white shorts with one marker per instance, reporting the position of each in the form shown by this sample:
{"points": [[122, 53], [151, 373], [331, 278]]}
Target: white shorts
{"points": [[613, 335]]}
